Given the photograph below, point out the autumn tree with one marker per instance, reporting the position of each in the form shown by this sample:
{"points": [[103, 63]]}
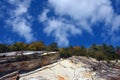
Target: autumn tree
{"points": [[36, 46], [4, 48], [52, 47], [77, 50], [18, 46], [65, 53], [100, 56]]}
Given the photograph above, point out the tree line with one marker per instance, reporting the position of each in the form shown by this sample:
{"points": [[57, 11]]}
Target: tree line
{"points": [[100, 52], [34, 46]]}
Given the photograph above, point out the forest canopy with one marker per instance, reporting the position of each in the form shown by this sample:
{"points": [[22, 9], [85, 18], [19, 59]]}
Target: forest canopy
{"points": [[100, 52]]}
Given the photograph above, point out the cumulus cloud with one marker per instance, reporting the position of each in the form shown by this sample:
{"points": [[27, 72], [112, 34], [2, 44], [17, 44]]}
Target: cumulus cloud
{"points": [[20, 20], [76, 16]]}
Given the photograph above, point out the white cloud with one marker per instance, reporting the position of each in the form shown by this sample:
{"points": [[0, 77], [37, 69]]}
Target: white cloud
{"points": [[83, 14], [20, 20], [43, 16], [60, 30], [116, 23]]}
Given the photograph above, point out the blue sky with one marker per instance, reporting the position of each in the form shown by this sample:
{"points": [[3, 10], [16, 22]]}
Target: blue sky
{"points": [[67, 22]]}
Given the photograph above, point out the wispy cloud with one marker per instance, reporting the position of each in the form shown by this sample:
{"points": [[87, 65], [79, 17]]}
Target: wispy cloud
{"points": [[61, 29], [82, 14], [2, 9], [20, 21]]}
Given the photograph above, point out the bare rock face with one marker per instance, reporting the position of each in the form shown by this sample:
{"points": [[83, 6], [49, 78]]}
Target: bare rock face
{"points": [[74, 68], [25, 63]]}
